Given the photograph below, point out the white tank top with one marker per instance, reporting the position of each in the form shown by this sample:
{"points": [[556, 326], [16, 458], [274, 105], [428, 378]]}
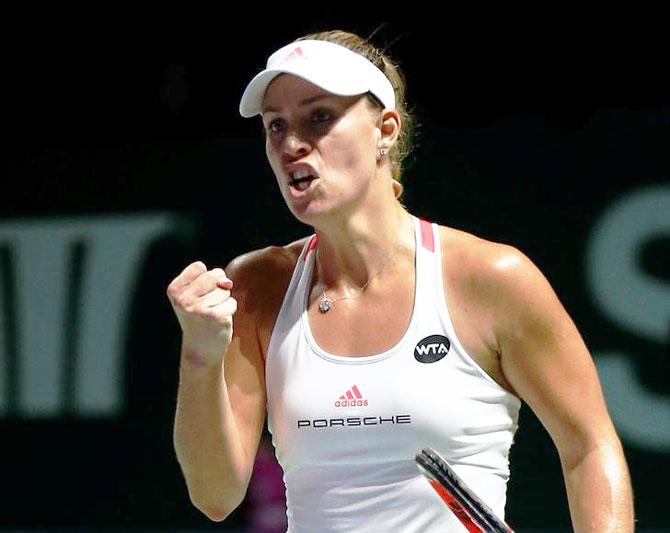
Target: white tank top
{"points": [[346, 429]]}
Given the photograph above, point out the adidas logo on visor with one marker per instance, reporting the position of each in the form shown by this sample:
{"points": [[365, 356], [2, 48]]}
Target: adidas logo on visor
{"points": [[297, 53]]}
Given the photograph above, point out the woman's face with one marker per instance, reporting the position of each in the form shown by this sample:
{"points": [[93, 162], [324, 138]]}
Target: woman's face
{"points": [[321, 147]]}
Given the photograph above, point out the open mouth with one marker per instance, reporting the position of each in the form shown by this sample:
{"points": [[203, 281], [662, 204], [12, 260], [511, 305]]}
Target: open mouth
{"points": [[301, 180]]}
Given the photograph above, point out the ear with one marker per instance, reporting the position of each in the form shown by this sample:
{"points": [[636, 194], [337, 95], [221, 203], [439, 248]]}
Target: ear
{"points": [[389, 127]]}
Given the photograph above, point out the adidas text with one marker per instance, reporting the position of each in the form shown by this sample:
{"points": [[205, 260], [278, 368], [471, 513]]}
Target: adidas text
{"points": [[351, 403]]}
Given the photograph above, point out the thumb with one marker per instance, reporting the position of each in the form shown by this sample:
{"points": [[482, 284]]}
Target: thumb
{"points": [[224, 283]]}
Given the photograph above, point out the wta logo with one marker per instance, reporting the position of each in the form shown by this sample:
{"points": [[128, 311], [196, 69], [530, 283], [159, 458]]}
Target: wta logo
{"points": [[432, 349], [351, 398]]}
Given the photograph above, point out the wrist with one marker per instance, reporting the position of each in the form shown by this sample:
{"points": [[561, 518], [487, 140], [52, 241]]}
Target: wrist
{"points": [[197, 358]]}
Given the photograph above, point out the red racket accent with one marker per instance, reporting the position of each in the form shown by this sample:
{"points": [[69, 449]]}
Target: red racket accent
{"points": [[456, 507]]}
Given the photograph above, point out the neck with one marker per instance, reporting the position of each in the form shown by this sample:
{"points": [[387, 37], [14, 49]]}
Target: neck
{"points": [[354, 248]]}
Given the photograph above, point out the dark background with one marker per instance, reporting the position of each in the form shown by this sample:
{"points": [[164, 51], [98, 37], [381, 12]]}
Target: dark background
{"points": [[531, 123]]}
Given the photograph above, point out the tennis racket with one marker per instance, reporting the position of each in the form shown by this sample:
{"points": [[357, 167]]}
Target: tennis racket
{"points": [[473, 513]]}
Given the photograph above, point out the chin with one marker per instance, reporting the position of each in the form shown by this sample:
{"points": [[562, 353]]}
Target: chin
{"points": [[312, 210], [308, 213], [306, 216]]}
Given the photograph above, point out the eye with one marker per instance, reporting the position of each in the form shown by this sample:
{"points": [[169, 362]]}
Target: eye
{"points": [[275, 126], [321, 115]]}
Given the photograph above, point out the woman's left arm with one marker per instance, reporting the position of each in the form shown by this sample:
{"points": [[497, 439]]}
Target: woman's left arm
{"points": [[544, 358]]}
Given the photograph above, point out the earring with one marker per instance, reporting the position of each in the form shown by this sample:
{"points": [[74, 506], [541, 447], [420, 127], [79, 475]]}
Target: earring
{"points": [[383, 151]]}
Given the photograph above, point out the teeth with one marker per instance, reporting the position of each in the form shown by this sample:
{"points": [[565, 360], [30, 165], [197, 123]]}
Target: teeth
{"points": [[302, 173]]}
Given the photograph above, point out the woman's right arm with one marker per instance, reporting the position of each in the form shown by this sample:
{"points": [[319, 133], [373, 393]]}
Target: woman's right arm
{"points": [[221, 398]]}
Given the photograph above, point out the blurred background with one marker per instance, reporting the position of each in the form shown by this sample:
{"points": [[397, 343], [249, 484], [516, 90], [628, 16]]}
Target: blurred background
{"points": [[124, 160]]}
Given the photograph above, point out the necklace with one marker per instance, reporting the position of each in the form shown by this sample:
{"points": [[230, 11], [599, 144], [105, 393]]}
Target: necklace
{"points": [[326, 303]]}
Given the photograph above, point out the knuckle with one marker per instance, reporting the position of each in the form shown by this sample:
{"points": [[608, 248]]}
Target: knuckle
{"points": [[198, 267], [173, 288], [190, 308], [217, 272], [172, 299], [181, 300]]}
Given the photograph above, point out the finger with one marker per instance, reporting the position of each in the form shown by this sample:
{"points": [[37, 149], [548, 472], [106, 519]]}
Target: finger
{"points": [[225, 309], [188, 275], [213, 298], [206, 282], [225, 283]]}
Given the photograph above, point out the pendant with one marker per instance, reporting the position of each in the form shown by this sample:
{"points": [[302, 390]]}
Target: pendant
{"points": [[325, 304]]}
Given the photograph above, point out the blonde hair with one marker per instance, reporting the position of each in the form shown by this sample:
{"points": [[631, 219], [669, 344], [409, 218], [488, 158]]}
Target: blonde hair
{"points": [[391, 69]]}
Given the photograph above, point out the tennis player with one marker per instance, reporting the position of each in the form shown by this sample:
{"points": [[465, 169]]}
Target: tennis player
{"points": [[378, 335]]}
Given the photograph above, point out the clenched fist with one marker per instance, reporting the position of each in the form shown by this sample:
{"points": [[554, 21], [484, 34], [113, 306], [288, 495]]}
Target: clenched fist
{"points": [[204, 307]]}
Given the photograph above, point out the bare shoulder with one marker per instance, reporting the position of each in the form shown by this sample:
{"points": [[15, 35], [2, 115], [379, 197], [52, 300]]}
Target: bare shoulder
{"points": [[259, 268], [477, 251], [496, 294], [260, 279], [490, 288], [489, 269]]}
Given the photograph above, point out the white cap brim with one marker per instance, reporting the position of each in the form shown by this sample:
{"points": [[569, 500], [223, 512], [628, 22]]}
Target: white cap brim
{"points": [[332, 67]]}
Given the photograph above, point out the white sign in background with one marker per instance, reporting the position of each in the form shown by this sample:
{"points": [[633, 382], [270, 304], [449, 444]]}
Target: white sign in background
{"points": [[40, 252], [635, 302]]}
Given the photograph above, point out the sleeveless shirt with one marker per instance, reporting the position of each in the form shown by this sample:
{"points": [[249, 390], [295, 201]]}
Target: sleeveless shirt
{"points": [[346, 429]]}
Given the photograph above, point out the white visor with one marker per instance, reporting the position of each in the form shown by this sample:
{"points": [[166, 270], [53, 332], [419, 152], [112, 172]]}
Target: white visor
{"points": [[332, 67]]}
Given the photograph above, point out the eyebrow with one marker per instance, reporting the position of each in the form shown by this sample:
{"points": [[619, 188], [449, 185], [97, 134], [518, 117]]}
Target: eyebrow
{"points": [[306, 101]]}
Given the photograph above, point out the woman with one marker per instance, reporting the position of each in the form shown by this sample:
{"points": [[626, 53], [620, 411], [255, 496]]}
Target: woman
{"points": [[378, 336]]}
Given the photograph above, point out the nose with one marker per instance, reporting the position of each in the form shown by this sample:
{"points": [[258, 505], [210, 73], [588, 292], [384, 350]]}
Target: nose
{"points": [[295, 145]]}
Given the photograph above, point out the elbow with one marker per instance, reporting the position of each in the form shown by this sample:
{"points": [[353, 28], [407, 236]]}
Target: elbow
{"points": [[218, 509], [215, 492], [215, 514]]}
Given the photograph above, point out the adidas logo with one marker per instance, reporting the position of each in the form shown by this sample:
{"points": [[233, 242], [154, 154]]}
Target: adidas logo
{"points": [[351, 398], [296, 53]]}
